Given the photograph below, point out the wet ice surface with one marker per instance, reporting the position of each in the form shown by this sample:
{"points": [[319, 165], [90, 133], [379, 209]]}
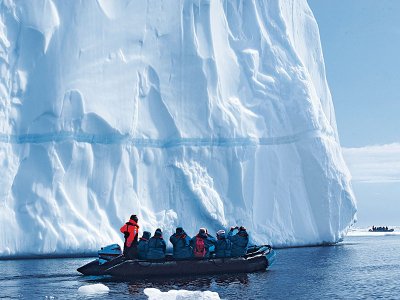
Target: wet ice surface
{"points": [[360, 267]]}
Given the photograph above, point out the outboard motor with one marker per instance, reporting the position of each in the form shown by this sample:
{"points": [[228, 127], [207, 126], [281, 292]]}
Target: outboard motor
{"points": [[108, 253]]}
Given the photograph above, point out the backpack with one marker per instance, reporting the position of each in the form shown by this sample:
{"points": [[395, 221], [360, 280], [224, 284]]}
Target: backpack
{"points": [[199, 248]]}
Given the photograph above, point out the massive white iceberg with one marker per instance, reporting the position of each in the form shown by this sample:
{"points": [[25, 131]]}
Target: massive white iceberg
{"points": [[193, 113]]}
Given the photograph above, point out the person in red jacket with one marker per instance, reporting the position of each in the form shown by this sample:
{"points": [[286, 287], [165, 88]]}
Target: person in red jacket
{"points": [[130, 230]]}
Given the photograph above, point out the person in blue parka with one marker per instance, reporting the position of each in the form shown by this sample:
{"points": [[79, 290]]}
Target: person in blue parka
{"points": [[239, 241], [157, 246], [202, 243], [143, 246], [224, 246], [181, 242]]}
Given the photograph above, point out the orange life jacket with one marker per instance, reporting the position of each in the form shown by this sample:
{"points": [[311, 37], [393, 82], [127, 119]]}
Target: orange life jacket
{"points": [[130, 229]]}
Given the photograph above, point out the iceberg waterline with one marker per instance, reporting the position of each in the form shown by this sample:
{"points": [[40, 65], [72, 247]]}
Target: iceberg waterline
{"points": [[196, 113]]}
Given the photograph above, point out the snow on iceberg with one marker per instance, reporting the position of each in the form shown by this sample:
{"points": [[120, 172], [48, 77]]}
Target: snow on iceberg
{"points": [[155, 294], [197, 113]]}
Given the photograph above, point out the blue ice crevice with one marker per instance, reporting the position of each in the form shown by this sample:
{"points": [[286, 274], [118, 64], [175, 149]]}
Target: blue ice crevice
{"points": [[112, 138]]}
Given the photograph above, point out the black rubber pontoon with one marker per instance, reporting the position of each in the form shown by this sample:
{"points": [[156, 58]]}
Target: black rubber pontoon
{"points": [[257, 258]]}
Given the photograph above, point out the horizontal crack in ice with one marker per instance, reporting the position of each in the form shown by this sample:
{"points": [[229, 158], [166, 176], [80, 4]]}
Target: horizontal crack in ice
{"points": [[158, 143]]}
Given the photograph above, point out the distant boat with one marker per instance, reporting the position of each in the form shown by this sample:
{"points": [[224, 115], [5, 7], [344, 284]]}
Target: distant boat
{"points": [[381, 229]]}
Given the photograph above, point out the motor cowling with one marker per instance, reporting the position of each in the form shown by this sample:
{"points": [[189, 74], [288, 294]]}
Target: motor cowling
{"points": [[109, 252]]}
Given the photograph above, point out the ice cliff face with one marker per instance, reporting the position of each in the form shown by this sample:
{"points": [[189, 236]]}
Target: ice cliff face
{"points": [[193, 113]]}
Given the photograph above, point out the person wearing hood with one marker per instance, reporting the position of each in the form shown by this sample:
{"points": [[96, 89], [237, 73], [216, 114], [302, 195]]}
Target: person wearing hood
{"points": [[223, 246], [239, 241], [202, 243], [143, 246], [157, 246], [181, 242], [130, 230]]}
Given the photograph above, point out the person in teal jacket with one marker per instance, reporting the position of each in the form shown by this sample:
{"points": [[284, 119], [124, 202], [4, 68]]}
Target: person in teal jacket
{"points": [[143, 246], [224, 246], [181, 242], [202, 243], [239, 241], [157, 246]]}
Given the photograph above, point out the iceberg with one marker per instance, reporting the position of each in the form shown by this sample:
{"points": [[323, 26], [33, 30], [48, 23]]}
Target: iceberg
{"points": [[191, 113]]}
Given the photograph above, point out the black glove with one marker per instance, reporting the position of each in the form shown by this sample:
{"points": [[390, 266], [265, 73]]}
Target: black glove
{"points": [[126, 234]]}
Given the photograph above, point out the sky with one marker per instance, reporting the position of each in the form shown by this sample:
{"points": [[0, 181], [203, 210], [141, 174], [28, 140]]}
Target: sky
{"points": [[361, 45]]}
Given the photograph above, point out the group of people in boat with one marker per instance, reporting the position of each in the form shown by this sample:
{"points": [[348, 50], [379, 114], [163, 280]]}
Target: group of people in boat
{"points": [[233, 244]]}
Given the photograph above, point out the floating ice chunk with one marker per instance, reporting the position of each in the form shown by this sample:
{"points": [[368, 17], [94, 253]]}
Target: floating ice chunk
{"points": [[155, 294], [97, 288]]}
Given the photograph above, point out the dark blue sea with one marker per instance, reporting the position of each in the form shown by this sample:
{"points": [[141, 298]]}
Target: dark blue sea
{"points": [[358, 268]]}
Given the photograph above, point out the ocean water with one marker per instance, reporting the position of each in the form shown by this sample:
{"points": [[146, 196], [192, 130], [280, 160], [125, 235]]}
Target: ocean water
{"points": [[358, 268]]}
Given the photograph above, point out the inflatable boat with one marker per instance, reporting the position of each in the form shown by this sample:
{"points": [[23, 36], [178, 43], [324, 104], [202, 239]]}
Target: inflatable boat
{"points": [[258, 258]]}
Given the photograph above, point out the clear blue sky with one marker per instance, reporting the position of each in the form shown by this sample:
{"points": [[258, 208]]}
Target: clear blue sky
{"points": [[361, 45]]}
